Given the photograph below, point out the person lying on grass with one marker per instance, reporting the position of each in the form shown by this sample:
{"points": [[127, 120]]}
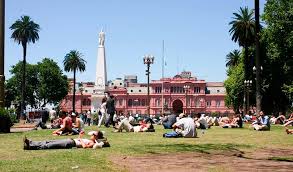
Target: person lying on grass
{"points": [[289, 121], [97, 140], [184, 127], [236, 122], [127, 125]]}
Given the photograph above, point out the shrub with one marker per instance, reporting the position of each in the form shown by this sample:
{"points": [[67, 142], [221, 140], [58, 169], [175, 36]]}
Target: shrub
{"points": [[5, 121]]}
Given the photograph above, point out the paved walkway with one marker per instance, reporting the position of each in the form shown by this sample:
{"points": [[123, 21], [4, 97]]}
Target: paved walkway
{"points": [[22, 127], [17, 130]]}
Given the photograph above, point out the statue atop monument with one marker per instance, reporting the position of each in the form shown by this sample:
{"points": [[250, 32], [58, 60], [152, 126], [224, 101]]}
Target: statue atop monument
{"points": [[101, 38]]}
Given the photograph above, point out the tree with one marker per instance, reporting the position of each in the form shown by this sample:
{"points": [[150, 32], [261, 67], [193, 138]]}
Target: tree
{"points": [[242, 31], [278, 38], [73, 62], [24, 31], [45, 83], [53, 85], [31, 79], [233, 58], [234, 87]]}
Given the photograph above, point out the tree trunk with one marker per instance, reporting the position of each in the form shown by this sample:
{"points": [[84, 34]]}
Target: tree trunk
{"points": [[257, 54], [2, 28], [22, 107], [73, 100]]}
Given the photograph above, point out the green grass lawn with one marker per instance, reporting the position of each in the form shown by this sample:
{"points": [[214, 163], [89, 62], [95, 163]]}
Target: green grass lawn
{"points": [[14, 158]]}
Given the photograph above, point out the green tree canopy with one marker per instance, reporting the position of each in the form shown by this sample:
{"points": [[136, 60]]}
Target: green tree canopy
{"points": [[53, 85], [45, 83]]}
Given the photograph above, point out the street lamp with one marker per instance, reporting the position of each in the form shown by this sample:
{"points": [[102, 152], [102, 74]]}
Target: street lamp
{"points": [[247, 85], [148, 60], [186, 88], [254, 69]]}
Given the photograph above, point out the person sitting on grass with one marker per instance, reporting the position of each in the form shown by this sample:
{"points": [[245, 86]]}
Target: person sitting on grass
{"points": [[169, 120], [78, 125], [56, 123], [97, 140], [262, 123], [184, 127], [201, 123], [66, 127]]}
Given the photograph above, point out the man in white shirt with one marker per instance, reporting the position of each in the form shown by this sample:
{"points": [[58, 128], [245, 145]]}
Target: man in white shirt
{"points": [[186, 126], [52, 115]]}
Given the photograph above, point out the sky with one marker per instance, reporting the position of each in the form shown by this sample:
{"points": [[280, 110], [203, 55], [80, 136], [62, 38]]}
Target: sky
{"points": [[195, 33]]}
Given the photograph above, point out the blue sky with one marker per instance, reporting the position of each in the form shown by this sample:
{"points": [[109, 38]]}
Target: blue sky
{"points": [[196, 34]]}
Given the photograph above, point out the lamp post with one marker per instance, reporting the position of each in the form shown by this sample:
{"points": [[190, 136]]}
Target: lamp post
{"points": [[81, 89], [2, 27], [186, 88], [148, 60], [247, 85]]}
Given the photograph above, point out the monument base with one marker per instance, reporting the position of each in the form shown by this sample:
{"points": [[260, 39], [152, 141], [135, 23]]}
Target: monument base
{"points": [[97, 100]]}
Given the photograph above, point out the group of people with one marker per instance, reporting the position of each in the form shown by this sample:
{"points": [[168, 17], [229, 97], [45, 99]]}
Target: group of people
{"points": [[182, 125], [260, 122], [107, 111], [69, 124], [72, 124]]}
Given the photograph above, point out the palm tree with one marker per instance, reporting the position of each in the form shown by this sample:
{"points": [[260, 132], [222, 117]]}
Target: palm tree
{"points": [[72, 62], [24, 31], [243, 32], [233, 58]]}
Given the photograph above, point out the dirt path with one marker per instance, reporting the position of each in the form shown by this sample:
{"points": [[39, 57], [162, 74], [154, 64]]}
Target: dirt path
{"points": [[224, 161]]}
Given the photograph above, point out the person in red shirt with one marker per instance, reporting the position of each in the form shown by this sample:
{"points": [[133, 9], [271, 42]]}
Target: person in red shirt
{"points": [[66, 127]]}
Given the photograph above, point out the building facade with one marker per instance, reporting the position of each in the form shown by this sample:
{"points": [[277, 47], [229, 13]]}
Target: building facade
{"points": [[181, 93]]}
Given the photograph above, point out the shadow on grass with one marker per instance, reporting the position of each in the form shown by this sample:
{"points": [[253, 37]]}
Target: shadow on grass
{"points": [[287, 159], [182, 147]]}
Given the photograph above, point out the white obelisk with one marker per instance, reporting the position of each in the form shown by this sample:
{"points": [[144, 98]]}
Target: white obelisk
{"points": [[101, 74], [101, 69]]}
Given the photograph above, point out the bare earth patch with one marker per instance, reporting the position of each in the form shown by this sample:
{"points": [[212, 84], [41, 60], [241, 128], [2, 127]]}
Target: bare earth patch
{"points": [[221, 161]]}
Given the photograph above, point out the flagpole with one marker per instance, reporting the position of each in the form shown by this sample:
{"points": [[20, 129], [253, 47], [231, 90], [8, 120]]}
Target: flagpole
{"points": [[163, 63]]}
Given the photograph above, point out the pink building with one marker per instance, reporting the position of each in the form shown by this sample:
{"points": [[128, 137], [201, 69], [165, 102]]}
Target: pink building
{"points": [[182, 93]]}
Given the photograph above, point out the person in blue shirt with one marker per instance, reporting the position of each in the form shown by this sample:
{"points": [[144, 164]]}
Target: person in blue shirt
{"points": [[262, 123]]}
